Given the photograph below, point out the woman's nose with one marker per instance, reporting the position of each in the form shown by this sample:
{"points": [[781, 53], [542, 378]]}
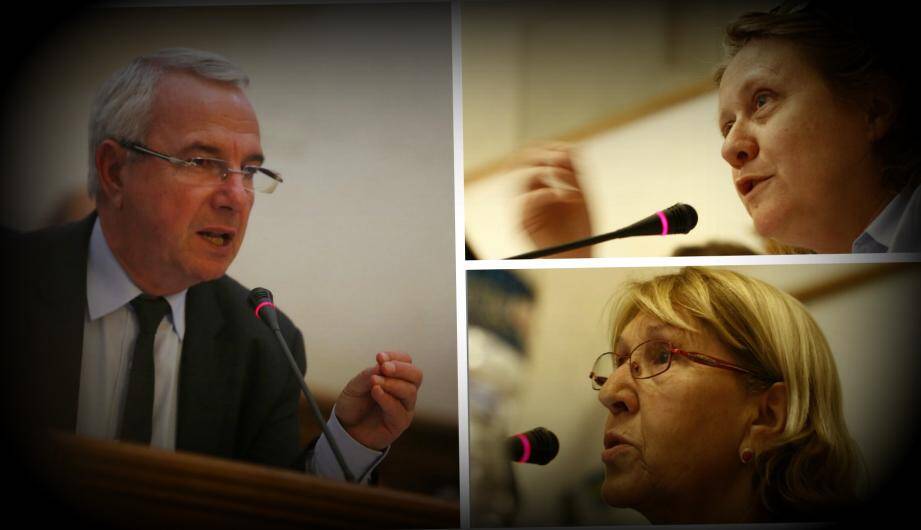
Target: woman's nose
{"points": [[739, 146], [618, 394]]}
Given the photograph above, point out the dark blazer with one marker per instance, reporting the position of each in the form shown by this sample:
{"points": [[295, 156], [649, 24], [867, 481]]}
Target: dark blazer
{"points": [[238, 397]]}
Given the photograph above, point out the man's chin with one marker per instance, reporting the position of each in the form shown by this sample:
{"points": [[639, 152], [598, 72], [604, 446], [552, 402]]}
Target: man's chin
{"points": [[208, 271]]}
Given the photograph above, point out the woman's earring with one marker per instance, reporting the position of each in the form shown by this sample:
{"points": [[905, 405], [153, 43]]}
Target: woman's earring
{"points": [[746, 455]]}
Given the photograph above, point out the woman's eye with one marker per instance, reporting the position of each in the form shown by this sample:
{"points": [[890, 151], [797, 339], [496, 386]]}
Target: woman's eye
{"points": [[657, 354], [662, 357]]}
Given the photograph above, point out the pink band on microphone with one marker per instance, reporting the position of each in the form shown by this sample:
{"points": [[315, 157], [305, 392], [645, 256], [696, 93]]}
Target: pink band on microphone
{"points": [[664, 223], [260, 306], [526, 455]]}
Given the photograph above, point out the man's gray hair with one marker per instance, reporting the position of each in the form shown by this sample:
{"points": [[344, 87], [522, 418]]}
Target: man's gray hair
{"points": [[121, 108]]}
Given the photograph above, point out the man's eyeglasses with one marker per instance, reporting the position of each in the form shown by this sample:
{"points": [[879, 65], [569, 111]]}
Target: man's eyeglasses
{"points": [[649, 359], [203, 171]]}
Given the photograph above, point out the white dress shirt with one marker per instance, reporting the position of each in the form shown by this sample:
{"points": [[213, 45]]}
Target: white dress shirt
{"points": [[109, 333]]}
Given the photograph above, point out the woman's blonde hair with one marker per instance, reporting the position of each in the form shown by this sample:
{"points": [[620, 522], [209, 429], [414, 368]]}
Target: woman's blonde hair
{"points": [[812, 467]]}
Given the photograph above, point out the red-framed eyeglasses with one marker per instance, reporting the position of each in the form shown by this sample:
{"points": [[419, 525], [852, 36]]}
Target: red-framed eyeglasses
{"points": [[652, 358]]}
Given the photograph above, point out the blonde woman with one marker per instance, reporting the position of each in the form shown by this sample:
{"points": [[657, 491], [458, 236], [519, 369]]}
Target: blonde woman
{"points": [[724, 405]]}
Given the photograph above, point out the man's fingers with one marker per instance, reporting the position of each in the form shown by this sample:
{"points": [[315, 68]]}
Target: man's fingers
{"points": [[402, 390], [402, 370], [361, 383], [393, 356], [393, 408]]}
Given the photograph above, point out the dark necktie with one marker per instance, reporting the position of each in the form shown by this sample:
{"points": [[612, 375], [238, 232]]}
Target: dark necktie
{"points": [[137, 419]]}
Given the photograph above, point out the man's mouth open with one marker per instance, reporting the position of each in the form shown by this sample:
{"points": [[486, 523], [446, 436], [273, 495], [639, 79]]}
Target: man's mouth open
{"points": [[218, 239]]}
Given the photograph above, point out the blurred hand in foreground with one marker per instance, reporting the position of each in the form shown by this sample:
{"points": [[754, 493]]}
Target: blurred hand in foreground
{"points": [[553, 206]]}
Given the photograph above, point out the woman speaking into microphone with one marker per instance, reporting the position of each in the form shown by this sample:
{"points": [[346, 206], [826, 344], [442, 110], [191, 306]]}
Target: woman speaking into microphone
{"points": [[724, 405], [817, 114]]}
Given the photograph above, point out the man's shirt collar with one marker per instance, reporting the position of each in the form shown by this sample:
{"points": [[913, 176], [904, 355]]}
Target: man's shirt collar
{"points": [[108, 286]]}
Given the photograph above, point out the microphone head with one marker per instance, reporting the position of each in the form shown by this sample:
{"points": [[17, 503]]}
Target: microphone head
{"points": [[678, 219], [537, 446], [260, 299], [259, 296]]}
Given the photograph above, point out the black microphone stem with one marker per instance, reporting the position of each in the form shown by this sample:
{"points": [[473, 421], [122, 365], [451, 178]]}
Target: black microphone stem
{"points": [[316, 409], [676, 219], [539, 253]]}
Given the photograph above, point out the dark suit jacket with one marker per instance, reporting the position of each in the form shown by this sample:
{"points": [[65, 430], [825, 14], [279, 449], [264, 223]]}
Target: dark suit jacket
{"points": [[238, 397]]}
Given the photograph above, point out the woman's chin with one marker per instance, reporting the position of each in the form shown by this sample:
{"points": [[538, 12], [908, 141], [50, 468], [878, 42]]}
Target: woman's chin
{"points": [[778, 229], [767, 221], [775, 224]]}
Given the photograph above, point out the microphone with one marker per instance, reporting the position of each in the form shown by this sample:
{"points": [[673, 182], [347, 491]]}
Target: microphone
{"points": [[537, 446], [676, 219], [261, 300]]}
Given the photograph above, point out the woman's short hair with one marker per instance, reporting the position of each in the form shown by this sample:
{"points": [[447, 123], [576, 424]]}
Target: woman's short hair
{"points": [[858, 52], [811, 469]]}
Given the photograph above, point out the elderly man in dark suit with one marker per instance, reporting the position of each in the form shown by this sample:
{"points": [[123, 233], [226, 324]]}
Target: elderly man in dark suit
{"points": [[131, 327]]}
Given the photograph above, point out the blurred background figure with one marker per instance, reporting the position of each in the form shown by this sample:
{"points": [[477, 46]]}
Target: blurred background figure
{"points": [[73, 206], [499, 311], [714, 248]]}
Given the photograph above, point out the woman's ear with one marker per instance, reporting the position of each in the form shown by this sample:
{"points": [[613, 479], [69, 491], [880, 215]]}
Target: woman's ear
{"points": [[770, 419], [881, 105]]}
